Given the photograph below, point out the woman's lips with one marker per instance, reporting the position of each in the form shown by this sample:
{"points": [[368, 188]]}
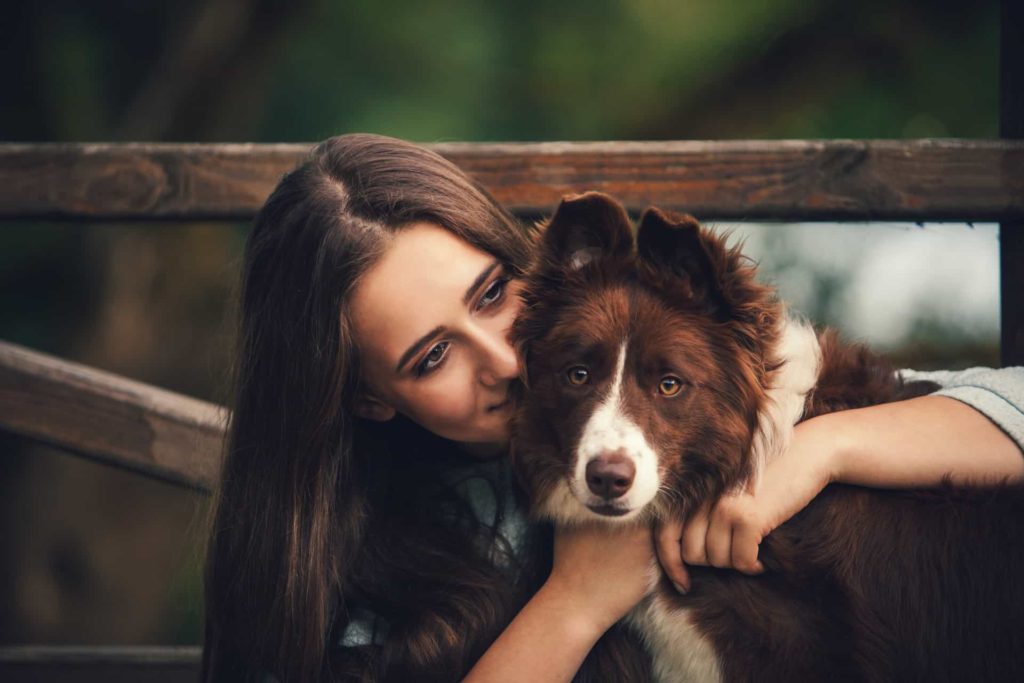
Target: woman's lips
{"points": [[509, 400], [500, 406]]}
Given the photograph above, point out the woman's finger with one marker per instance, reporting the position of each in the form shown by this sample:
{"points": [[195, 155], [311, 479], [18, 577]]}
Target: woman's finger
{"points": [[746, 540], [719, 537], [695, 533], [668, 546]]}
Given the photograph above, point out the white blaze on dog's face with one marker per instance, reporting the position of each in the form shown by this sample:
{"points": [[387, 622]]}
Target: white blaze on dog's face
{"points": [[634, 400], [616, 470]]}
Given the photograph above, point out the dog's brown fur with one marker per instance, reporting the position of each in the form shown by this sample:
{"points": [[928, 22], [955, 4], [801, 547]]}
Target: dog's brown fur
{"points": [[862, 584]]}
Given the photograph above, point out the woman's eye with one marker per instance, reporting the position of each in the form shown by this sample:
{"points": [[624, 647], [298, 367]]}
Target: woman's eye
{"points": [[670, 386], [494, 292], [433, 358], [578, 375]]}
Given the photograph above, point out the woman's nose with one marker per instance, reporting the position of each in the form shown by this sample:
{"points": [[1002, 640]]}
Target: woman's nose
{"points": [[498, 359]]}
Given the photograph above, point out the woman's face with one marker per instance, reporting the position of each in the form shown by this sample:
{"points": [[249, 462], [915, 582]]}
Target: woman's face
{"points": [[431, 319]]}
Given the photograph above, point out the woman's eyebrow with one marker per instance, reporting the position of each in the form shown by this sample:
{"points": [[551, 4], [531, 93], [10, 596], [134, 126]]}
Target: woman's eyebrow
{"points": [[484, 274], [416, 346], [419, 343]]}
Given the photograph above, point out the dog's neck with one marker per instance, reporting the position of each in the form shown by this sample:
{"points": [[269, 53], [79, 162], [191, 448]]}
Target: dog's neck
{"points": [[797, 361]]}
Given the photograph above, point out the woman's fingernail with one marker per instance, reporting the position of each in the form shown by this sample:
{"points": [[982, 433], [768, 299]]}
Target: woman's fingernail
{"points": [[679, 588]]}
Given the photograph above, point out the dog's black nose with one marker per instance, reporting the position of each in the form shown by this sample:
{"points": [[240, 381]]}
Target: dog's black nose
{"points": [[610, 475]]}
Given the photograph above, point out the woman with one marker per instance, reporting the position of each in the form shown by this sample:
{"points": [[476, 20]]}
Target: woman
{"points": [[364, 528]]}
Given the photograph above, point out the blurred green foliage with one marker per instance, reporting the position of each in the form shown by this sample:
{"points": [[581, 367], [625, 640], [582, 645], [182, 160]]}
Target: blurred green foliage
{"points": [[528, 70]]}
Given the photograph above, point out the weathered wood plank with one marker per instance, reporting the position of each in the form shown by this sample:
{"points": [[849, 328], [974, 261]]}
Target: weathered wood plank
{"points": [[793, 180], [71, 664], [1011, 231], [110, 418]]}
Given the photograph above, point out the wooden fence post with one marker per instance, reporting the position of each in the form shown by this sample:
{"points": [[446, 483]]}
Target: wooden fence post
{"points": [[1011, 234]]}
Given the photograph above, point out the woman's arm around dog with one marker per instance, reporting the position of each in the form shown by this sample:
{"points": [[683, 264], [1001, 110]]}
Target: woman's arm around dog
{"points": [[909, 444]]}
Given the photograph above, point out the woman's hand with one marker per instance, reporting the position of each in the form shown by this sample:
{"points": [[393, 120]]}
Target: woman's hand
{"points": [[908, 444], [599, 574], [604, 571], [729, 533]]}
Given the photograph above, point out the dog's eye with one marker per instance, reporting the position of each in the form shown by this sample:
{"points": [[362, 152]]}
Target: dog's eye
{"points": [[670, 386], [578, 375]]}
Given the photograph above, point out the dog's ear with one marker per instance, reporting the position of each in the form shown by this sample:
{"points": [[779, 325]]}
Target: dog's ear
{"points": [[586, 228], [674, 245], [586, 233]]}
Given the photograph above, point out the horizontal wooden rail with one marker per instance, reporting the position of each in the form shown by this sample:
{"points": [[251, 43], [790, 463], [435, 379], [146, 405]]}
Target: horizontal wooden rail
{"points": [[74, 664], [110, 418], [970, 180]]}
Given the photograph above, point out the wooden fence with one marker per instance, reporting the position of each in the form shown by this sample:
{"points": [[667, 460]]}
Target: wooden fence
{"points": [[173, 437], [845, 180], [161, 434]]}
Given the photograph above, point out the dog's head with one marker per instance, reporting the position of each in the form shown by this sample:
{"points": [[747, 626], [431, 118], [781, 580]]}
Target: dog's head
{"points": [[645, 363]]}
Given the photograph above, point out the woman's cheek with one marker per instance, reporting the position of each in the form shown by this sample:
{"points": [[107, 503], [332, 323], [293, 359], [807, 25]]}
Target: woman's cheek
{"points": [[447, 404]]}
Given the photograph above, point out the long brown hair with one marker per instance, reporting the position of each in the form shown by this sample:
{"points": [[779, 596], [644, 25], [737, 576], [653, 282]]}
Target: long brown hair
{"points": [[317, 511]]}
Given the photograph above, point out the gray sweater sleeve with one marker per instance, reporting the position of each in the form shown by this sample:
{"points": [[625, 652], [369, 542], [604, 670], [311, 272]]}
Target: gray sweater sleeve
{"points": [[996, 394]]}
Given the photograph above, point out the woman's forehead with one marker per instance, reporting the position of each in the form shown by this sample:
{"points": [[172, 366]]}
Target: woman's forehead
{"points": [[418, 284]]}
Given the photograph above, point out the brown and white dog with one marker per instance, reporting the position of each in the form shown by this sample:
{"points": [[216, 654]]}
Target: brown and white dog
{"points": [[660, 374]]}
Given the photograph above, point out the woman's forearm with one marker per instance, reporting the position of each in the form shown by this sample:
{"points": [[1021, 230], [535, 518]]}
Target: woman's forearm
{"points": [[598, 575], [917, 443], [547, 641]]}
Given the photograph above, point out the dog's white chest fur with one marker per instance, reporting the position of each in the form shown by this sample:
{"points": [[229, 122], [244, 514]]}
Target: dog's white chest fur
{"points": [[679, 652]]}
